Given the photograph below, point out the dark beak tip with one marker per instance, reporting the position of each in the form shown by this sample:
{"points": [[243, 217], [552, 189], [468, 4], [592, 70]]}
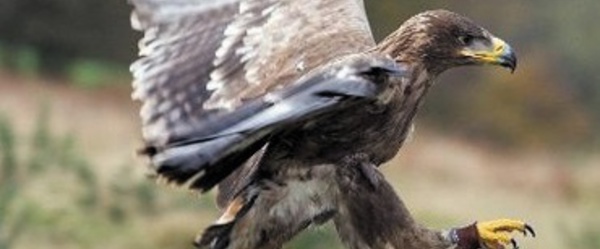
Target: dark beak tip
{"points": [[510, 62], [508, 58], [513, 66]]}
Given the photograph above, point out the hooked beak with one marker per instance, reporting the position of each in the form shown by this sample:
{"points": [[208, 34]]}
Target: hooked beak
{"points": [[500, 53]]}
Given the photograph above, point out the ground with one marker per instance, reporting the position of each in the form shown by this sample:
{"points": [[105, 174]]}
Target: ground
{"points": [[444, 180]]}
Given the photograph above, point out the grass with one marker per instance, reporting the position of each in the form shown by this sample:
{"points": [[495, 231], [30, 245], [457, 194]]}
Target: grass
{"points": [[55, 195], [11, 220]]}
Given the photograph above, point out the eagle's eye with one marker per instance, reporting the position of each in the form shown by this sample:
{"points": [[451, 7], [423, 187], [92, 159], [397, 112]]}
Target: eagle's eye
{"points": [[466, 40]]}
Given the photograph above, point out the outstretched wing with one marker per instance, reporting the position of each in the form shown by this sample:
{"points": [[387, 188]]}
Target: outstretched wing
{"points": [[204, 158], [202, 59], [215, 76]]}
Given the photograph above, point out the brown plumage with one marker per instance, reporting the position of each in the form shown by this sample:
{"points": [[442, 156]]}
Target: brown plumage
{"points": [[290, 106]]}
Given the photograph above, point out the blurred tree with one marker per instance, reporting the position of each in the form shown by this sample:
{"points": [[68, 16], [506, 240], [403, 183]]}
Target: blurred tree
{"points": [[61, 30]]}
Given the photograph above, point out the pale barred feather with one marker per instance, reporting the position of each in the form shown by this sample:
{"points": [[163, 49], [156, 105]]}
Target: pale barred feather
{"points": [[269, 52], [149, 13], [228, 78], [176, 57]]}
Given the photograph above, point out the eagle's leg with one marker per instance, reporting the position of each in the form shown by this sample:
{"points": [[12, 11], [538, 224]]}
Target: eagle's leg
{"points": [[375, 218], [271, 210]]}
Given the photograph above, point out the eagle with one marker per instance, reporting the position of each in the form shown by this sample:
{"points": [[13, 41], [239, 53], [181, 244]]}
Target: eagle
{"points": [[290, 106]]}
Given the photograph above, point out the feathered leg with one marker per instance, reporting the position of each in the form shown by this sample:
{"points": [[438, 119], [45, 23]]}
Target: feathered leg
{"points": [[370, 214]]}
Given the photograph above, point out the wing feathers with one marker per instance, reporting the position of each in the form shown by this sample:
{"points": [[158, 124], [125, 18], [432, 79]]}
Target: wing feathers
{"points": [[217, 78], [207, 156], [216, 55]]}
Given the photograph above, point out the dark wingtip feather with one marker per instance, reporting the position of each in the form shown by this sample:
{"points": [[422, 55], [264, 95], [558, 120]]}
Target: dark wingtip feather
{"points": [[204, 164], [147, 151], [216, 173]]}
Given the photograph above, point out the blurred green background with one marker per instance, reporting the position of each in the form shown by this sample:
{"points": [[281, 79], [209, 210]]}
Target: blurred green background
{"points": [[489, 144]]}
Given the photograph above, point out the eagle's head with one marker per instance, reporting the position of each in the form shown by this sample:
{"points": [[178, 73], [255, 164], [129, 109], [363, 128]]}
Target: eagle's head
{"points": [[441, 39]]}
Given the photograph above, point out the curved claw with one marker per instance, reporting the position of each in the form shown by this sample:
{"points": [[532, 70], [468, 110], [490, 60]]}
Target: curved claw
{"points": [[514, 244], [529, 229]]}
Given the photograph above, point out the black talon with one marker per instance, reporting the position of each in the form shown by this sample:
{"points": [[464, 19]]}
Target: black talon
{"points": [[514, 244], [530, 230]]}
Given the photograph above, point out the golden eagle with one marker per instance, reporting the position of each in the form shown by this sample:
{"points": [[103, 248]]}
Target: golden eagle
{"points": [[289, 106]]}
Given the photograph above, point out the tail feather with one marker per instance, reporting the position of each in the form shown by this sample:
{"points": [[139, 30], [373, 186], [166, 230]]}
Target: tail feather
{"points": [[215, 237], [218, 236], [240, 178]]}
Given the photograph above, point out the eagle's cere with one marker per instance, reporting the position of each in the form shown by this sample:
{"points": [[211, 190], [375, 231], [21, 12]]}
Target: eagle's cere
{"points": [[290, 106]]}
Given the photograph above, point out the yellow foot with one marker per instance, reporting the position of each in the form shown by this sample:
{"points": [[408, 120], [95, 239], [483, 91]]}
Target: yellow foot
{"points": [[496, 234]]}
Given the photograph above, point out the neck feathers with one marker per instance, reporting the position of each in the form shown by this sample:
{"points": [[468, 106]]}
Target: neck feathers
{"points": [[409, 44]]}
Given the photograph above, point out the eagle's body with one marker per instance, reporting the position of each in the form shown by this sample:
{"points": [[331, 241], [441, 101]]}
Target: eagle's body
{"points": [[304, 175], [289, 106]]}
